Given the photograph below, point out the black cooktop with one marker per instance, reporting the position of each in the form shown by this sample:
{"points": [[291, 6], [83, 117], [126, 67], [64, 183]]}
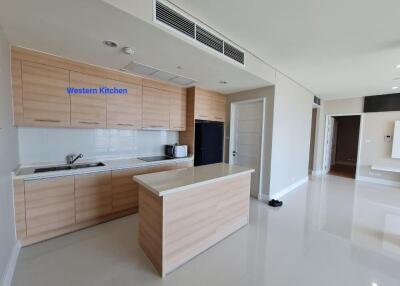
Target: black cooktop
{"points": [[155, 158]]}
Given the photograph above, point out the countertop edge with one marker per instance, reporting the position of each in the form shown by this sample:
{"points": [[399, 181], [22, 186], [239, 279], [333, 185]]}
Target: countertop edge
{"points": [[186, 187], [107, 168]]}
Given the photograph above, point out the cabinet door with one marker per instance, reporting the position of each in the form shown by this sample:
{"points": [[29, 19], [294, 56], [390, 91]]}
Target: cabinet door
{"points": [[50, 205], [125, 189], [155, 108], [88, 110], [218, 107], [177, 111], [202, 105], [124, 111], [93, 196], [45, 98]]}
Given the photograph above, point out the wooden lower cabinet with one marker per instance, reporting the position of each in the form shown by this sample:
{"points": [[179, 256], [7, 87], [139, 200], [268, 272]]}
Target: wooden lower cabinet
{"points": [[93, 196], [49, 204], [46, 208]]}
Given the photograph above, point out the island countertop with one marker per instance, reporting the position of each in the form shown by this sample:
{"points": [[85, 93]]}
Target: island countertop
{"points": [[164, 183]]}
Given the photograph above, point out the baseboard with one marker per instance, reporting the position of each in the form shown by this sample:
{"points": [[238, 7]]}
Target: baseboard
{"points": [[378, 181], [9, 273], [317, 173], [265, 197], [290, 188]]}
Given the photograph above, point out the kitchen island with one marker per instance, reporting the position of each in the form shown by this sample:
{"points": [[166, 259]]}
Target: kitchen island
{"points": [[184, 212]]}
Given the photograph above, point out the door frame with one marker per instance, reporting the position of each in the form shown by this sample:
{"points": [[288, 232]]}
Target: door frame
{"points": [[360, 134], [232, 131]]}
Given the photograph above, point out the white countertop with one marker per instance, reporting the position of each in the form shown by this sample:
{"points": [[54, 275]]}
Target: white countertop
{"points": [[167, 182], [27, 172]]}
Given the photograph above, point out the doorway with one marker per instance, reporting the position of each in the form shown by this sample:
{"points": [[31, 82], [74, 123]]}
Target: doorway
{"points": [[247, 139], [312, 141], [342, 144]]}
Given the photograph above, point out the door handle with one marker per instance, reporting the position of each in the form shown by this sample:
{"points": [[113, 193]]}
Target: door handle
{"points": [[234, 153]]}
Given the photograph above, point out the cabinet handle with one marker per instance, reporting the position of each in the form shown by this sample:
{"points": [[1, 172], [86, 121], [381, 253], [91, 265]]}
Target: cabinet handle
{"points": [[220, 118], [48, 120], [181, 127], [124, 124], [204, 116], [89, 122]]}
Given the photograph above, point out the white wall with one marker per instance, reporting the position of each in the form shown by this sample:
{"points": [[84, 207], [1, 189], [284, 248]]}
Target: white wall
{"points": [[268, 93], [291, 135], [333, 107], [374, 149], [39, 145], [9, 160]]}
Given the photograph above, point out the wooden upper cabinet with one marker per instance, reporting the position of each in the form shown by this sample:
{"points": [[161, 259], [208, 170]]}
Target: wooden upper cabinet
{"points": [[50, 205], [209, 105], [202, 107], [124, 111], [177, 111], [88, 110], [44, 95], [18, 107], [155, 108], [218, 107]]}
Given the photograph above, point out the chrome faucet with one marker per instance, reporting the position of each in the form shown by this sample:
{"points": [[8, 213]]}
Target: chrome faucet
{"points": [[71, 159]]}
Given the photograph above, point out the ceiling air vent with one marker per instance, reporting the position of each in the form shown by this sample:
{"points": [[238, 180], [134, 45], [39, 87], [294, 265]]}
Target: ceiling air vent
{"points": [[317, 100], [233, 53], [177, 21], [174, 20], [209, 39], [150, 72]]}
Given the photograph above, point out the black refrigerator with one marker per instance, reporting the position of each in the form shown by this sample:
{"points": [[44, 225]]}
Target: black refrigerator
{"points": [[209, 142]]}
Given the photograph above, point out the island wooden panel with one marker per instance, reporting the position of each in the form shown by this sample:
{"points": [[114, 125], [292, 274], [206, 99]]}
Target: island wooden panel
{"points": [[19, 207], [151, 226], [45, 98], [49, 205], [124, 111], [192, 220], [93, 196]]}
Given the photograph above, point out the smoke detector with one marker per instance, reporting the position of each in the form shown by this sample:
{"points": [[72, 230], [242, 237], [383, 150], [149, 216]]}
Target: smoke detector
{"points": [[128, 50]]}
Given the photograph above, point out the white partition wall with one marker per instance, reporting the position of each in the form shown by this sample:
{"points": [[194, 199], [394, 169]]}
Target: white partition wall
{"points": [[396, 140]]}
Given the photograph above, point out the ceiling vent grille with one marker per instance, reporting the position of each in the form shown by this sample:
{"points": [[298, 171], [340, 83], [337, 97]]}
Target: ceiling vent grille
{"points": [[209, 39], [175, 20], [317, 100], [233, 53]]}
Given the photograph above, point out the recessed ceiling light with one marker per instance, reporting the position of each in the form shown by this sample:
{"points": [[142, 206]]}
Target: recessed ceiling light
{"points": [[398, 66], [395, 87], [128, 50], [374, 284], [223, 82], [110, 44]]}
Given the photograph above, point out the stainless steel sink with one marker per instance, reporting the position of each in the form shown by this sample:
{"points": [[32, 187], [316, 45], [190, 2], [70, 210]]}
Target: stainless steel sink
{"points": [[68, 167]]}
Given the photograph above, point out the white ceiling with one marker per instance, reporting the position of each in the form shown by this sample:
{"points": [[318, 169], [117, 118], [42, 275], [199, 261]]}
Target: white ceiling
{"points": [[337, 49], [75, 29]]}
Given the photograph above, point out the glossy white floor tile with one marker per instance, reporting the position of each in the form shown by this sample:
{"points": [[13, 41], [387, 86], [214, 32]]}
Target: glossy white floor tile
{"points": [[331, 231]]}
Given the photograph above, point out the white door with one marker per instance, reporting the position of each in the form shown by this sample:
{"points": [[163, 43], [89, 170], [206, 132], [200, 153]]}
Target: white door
{"points": [[330, 130], [246, 139]]}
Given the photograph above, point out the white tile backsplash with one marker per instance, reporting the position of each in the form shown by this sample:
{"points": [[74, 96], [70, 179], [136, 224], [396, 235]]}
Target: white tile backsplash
{"points": [[38, 145]]}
